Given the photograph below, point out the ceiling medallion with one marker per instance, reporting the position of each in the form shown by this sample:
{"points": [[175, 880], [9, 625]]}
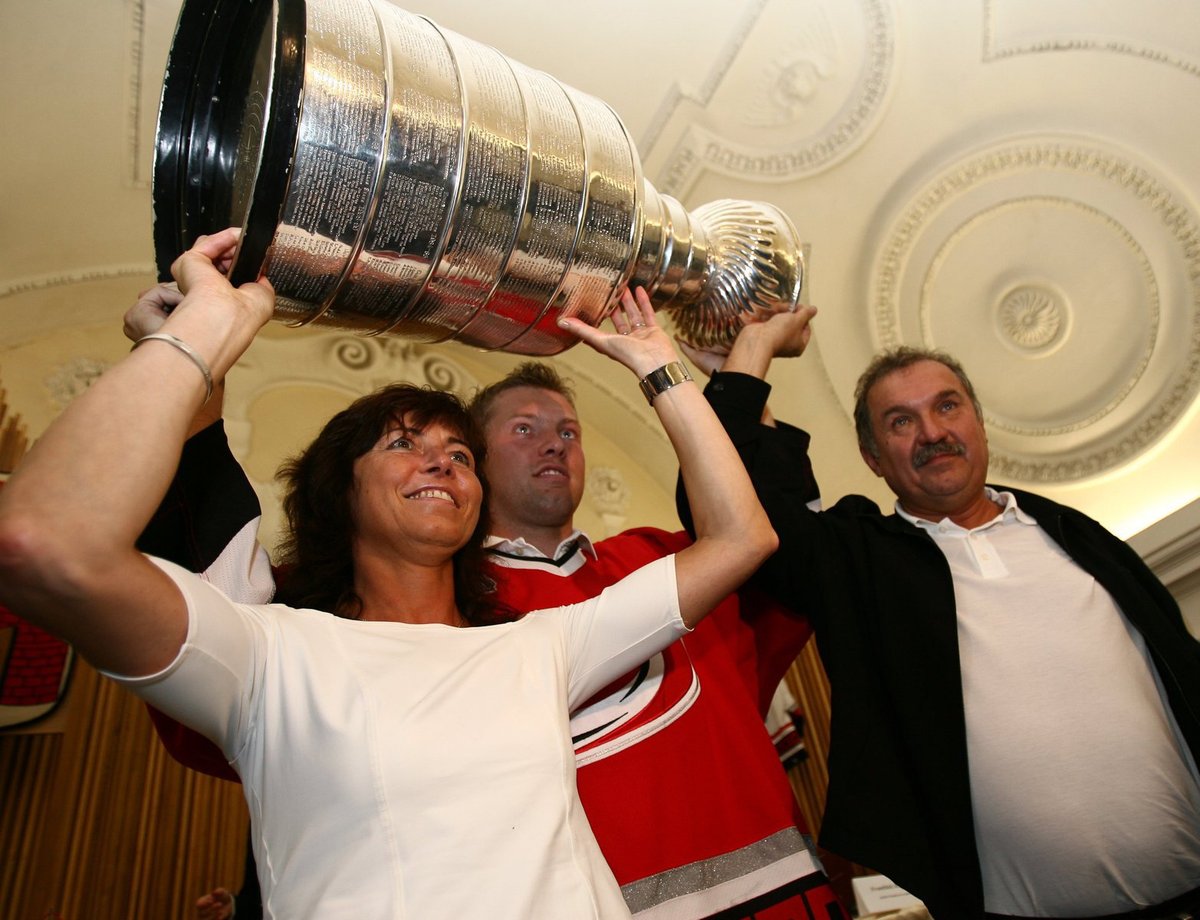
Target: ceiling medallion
{"points": [[1032, 317], [1066, 277]]}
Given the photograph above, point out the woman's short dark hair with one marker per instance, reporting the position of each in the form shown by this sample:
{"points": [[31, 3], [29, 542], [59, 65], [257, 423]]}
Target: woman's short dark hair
{"points": [[887, 362], [316, 555]]}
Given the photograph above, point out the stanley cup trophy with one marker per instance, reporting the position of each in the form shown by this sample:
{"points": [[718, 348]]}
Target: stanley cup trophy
{"points": [[393, 177]]}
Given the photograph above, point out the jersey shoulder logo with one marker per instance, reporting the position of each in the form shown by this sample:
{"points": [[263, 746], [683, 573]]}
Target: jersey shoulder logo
{"points": [[640, 704]]}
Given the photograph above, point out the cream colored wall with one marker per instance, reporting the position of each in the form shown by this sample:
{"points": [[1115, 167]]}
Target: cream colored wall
{"points": [[892, 170]]}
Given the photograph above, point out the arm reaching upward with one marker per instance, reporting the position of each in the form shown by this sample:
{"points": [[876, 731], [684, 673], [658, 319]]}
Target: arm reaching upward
{"points": [[208, 519], [70, 517], [733, 536], [784, 335]]}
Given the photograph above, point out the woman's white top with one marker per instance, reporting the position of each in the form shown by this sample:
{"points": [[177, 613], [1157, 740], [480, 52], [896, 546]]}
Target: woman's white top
{"points": [[419, 771]]}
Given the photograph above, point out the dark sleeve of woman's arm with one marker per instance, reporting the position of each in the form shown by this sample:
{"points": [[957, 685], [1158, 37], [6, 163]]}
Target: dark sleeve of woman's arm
{"points": [[209, 502]]}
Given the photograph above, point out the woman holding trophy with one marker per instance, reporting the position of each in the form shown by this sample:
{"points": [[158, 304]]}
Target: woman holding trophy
{"points": [[345, 722]]}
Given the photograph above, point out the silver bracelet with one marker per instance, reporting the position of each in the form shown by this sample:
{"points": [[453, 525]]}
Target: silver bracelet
{"points": [[187, 350], [663, 379]]}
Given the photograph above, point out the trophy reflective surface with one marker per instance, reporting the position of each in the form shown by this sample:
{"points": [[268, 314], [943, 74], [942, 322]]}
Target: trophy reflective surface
{"points": [[394, 177]]}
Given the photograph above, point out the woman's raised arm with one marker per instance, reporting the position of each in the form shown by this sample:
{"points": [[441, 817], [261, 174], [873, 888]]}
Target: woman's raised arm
{"points": [[733, 535], [70, 515]]}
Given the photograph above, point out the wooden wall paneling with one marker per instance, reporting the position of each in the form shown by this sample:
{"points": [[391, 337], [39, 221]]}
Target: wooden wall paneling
{"points": [[810, 688], [99, 823], [26, 767], [14, 436], [96, 820]]}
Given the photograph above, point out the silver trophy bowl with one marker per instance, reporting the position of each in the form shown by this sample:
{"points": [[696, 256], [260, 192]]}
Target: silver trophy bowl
{"points": [[393, 177]]}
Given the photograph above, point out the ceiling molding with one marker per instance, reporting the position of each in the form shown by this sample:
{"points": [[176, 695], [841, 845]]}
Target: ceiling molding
{"points": [[810, 89], [1171, 547], [1028, 31], [1100, 251], [68, 277]]}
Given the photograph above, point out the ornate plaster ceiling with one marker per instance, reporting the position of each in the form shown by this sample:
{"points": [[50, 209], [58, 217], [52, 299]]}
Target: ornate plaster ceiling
{"points": [[1011, 180]]}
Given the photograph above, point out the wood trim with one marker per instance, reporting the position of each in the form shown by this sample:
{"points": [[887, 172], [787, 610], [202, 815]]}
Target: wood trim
{"points": [[100, 823]]}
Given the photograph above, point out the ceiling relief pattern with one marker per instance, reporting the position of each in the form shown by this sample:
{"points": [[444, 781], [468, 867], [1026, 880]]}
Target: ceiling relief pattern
{"points": [[140, 162], [610, 497], [1012, 180], [810, 83], [366, 364], [348, 364], [1066, 277], [1159, 31], [1033, 317], [71, 378]]}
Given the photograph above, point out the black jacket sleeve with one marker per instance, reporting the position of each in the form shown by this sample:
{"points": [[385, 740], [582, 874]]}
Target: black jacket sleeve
{"points": [[776, 457]]}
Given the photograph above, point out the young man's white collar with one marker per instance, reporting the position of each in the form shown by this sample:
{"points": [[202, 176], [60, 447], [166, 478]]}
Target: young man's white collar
{"points": [[521, 548]]}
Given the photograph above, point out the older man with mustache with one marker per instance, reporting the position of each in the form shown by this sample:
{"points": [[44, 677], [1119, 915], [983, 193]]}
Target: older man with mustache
{"points": [[1016, 699]]}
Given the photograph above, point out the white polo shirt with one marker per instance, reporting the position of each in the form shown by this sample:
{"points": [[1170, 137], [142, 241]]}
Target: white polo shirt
{"points": [[1085, 797]]}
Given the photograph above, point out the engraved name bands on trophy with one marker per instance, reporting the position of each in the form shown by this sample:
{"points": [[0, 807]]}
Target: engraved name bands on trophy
{"points": [[432, 188]]}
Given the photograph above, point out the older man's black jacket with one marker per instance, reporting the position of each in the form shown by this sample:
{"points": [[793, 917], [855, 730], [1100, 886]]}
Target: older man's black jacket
{"points": [[879, 593]]}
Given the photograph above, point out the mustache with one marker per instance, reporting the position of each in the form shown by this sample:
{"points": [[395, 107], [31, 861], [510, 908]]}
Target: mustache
{"points": [[927, 452]]}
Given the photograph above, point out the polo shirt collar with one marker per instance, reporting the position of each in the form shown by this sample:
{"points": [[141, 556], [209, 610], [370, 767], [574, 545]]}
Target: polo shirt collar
{"points": [[1011, 512], [523, 549]]}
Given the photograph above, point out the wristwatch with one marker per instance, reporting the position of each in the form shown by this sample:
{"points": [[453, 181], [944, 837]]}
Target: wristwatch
{"points": [[663, 379]]}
